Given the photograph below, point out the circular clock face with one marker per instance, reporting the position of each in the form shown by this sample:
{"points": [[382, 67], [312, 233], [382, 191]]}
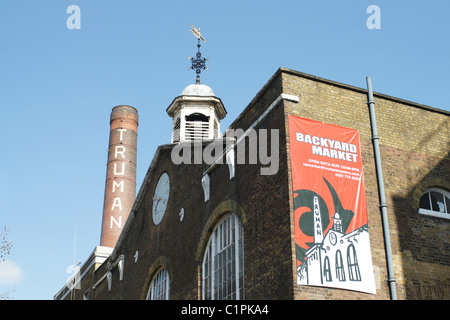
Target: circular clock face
{"points": [[160, 198], [333, 238]]}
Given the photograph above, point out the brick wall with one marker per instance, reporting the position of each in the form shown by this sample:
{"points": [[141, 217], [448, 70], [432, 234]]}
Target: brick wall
{"points": [[260, 202], [414, 143]]}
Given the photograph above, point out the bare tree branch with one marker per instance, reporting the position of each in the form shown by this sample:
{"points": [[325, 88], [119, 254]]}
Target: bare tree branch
{"points": [[5, 250]]}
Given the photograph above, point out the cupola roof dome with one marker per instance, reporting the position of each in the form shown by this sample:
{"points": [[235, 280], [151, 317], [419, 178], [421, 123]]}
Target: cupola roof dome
{"points": [[198, 90]]}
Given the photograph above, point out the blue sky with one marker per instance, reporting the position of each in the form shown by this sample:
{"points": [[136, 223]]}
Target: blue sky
{"points": [[58, 87]]}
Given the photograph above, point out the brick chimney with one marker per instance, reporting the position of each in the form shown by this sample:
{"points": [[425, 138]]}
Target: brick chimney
{"points": [[120, 186]]}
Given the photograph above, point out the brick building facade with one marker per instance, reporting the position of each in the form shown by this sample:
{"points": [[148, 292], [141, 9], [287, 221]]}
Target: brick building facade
{"points": [[204, 199]]}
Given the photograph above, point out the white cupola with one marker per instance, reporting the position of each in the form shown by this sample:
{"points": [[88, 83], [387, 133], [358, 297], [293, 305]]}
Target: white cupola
{"points": [[196, 114]]}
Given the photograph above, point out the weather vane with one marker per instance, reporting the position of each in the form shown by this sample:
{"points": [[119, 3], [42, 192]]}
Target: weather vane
{"points": [[198, 63]]}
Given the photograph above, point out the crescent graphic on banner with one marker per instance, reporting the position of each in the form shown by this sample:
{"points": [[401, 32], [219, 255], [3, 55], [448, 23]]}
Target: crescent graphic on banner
{"points": [[305, 198]]}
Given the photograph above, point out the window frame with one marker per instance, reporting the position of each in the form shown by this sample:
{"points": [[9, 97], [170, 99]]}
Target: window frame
{"points": [[162, 272], [340, 270], [352, 263], [327, 269], [211, 289], [431, 212]]}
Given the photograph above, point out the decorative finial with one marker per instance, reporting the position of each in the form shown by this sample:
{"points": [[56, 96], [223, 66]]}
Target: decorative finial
{"points": [[198, 63]]}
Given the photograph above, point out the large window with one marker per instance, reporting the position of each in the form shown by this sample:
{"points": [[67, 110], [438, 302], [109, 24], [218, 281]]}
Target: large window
{"points": [[223, 262], [327, 269], [160, 286], [352, 261], [340, 272], [435, 202]]}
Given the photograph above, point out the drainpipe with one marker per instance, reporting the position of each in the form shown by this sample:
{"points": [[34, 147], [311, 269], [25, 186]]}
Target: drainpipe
{"points": [[383, 204]]}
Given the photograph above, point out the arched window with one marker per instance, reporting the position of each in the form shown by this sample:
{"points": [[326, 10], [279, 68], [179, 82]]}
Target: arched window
{"points": [[340, 273], [435, 202], [223, 261], [160, 286], [197, 117], [327, 269], [352, 261]]}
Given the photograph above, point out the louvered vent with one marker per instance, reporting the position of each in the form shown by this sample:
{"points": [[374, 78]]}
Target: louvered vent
{"points": [[197, 127], [176, 131]]}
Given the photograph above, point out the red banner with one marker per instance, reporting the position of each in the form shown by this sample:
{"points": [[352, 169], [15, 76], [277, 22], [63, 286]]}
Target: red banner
{"points": [[330, 210]]}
